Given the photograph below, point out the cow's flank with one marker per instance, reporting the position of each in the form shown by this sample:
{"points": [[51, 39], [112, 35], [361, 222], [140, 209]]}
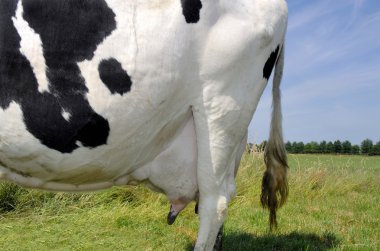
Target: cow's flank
{"points": [[98, 93]]}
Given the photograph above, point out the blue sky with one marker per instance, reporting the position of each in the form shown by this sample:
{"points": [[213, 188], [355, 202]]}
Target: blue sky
{"points": [[331, 83]]}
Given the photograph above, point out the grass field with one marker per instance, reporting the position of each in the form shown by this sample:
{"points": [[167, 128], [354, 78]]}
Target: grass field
{"points": [[334, 204]]}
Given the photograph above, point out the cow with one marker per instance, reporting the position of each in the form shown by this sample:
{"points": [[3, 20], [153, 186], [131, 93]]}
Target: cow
{"points": [[102, 93]]}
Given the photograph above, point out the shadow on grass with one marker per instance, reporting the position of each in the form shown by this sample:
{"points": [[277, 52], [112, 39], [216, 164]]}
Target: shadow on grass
{"points": [[293, 241]]}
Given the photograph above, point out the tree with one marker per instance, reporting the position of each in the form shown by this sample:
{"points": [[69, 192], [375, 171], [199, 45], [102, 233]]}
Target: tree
{"points": [[315, 148], [288, 147], [337, 147], [307, 148], [294, 147], [366, 146], [330, 147], [346, 147], [298, 147], [376, 149], [311, 147], [355, 149], [323, 147]]}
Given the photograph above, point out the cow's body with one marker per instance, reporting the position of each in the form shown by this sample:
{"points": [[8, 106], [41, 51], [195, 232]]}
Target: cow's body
{"points": [[109, 92]]}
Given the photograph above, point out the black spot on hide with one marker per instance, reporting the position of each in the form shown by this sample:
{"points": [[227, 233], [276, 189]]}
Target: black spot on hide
{"points": [[70, 31], [268, 67], [114, 76], [191, 10]]}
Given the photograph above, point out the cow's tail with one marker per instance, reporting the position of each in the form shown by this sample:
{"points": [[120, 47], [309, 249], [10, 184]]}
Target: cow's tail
{"points": [[275, 184]]}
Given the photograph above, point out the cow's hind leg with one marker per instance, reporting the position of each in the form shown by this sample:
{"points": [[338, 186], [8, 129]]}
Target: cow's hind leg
{"points": [[222, 112], [218, 143]]}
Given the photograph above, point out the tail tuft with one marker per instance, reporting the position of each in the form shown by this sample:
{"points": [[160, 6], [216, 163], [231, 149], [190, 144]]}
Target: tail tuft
{"points": [[274, 190]]}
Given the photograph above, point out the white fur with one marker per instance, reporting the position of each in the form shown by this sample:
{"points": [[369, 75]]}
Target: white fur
{"points": [[31, 48], [66, 115]]}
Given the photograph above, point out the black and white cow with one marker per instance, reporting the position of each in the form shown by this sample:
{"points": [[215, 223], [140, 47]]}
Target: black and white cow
{"points": [[97, 93]]}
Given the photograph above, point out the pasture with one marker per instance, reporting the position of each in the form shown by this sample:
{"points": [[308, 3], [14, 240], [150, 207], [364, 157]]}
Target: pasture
{"points": [[334, 204]]}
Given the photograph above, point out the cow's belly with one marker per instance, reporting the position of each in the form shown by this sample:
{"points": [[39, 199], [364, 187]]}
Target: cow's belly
{"points": [[133, 154]]}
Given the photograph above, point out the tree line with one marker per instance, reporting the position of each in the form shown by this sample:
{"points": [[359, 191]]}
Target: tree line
{"points": [[367, 147]]}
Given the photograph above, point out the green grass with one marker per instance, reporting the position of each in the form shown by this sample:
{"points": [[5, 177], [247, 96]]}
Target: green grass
{"points": [[334, 204]]}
